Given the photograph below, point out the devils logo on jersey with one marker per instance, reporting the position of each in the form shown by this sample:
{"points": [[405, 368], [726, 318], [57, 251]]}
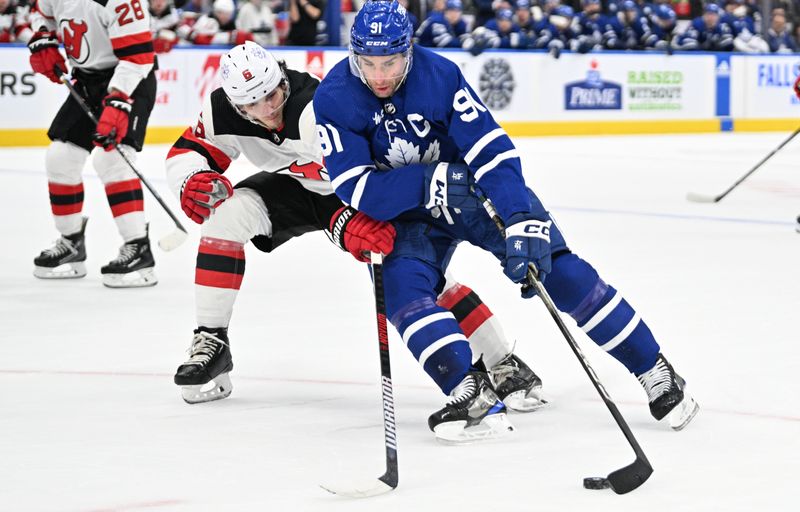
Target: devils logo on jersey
{"points": [[311, 170], [75, 42]]}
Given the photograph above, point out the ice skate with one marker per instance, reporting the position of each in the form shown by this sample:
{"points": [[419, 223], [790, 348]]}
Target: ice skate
{"points": [[66, 259], [133, 268], [516, 384], [204, 377], [474, 414], [666, 392]]}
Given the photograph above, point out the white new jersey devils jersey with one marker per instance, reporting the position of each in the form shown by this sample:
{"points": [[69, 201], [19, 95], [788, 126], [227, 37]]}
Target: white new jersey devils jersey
{"points": [[221, 135], [101, 35]]}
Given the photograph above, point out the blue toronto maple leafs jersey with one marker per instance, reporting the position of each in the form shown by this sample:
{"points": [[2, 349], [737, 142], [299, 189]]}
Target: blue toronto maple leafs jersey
{"points": [[376, 150]]}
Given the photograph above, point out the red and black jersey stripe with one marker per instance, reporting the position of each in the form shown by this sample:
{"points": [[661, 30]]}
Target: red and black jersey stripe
{"points": [[135, 48], [220, 267], [65, 199], [216, 158], [125, 197], [467, 307]]}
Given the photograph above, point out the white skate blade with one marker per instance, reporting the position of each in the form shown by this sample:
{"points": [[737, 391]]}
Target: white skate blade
{"points": [[173, 240], [217, 389], [683, 413], [492, 427], [136, 279], [518, 401], [72, 270], [363, 489]]}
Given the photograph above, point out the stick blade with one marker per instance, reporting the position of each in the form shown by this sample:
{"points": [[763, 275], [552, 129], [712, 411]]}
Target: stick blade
{"points": [[630, 477], [365, 489], [173, 240], [701, 198]]}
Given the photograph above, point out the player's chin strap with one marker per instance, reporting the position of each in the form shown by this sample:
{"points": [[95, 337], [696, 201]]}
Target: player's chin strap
{"points": [[168, 242]]}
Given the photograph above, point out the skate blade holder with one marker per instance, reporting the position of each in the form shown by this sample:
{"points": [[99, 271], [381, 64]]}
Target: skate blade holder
{"points": [[216, 389], [456, 432], [70, 270]]}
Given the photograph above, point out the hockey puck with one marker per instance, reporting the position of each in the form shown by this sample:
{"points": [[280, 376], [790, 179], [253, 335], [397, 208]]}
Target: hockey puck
{"points": [[596, 483]]}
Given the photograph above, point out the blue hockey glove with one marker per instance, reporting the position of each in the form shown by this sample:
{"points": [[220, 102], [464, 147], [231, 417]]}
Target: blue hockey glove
{"points": [[527, 241], [450, 185]]}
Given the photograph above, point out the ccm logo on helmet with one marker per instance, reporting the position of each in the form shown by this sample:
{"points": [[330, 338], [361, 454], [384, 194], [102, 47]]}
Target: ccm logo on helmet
{"points": [[247, 75], [376, 43]]}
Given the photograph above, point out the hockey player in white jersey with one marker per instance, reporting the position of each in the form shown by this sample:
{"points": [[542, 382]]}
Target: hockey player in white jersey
{"points": [[110, 51], [264, 111]]}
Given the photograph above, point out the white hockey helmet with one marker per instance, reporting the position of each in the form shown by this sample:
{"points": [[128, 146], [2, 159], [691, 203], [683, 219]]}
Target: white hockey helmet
{"points": [[249, 72], [223, 6]]}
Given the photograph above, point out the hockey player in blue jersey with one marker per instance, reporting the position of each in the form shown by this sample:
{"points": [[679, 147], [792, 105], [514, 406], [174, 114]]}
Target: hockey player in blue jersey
{"points": [[443, 29], [405, 146], [707, 32]]}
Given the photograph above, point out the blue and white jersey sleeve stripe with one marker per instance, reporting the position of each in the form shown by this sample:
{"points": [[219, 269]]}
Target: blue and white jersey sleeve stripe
{"points": [[488, 151]]}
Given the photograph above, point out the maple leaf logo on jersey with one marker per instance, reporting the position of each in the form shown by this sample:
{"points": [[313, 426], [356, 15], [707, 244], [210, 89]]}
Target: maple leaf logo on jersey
{"points": [[74, 34], [402, 152]]}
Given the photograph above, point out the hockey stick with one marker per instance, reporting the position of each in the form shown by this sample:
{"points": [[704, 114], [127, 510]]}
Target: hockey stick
{"points": [[703, 198], [168, 242], [387, 482], [625, 479]]}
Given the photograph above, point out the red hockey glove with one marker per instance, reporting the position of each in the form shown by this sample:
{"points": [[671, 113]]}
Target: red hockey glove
{"points": [[797, 86], [112, 126], [359, 234], [45, 57], [202, 192]]}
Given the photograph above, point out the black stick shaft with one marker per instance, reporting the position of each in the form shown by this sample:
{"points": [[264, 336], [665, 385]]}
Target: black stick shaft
{"points": [[79, 99], [756, 167], [390, 478], [625, 479]]}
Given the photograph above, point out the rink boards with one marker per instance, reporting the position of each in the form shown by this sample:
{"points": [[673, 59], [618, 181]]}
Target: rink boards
{"points": [[530, 93]]}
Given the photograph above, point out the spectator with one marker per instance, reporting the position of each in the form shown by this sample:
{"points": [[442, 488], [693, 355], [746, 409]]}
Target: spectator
{"points": [[779, 38], [506, 31], [663, 20], [707, 32], [443, 29], [555, 32], [14, 25], [590, 27], [256, 17], [745, 38], [304, 15], [164, 21], [525, 18], [198, 7], [219, 27]]}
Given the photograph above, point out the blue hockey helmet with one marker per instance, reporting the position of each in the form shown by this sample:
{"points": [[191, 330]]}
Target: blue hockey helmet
{"points": [[629, 5], [381, 28], [455, 5], [504, 14], [665, 12], [713, 9], [564, 11]]}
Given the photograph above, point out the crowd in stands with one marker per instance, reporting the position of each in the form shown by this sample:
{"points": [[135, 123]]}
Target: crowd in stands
{"points": [[475, 25], [592, 25]]}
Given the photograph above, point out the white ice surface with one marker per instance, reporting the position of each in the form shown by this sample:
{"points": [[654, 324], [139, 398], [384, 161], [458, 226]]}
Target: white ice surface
{"points": [[91, 421]]}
